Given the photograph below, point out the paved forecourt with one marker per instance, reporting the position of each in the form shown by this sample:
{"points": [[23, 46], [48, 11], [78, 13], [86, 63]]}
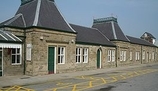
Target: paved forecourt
{"points": [[83, 82]]}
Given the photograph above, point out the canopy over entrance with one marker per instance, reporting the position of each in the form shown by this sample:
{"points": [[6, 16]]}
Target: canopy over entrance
{"points": [[9, 40], [9, 45]]}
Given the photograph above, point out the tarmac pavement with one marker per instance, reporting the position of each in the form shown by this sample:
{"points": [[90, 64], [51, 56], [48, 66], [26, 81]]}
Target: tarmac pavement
{"points": [[26, 80]]}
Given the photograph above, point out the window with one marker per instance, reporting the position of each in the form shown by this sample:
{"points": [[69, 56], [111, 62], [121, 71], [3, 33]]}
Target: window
{"points": [[150, 56], [143, 56], [61, 55], [16, 59], [153, 55], [123, 56], [137, 56], [78, 55], [130, 55], [81, 55], [111, 55], [85, 55]]}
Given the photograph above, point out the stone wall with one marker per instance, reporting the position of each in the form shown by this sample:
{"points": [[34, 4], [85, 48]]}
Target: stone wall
{"points": [[8, 68], [40, 40]]}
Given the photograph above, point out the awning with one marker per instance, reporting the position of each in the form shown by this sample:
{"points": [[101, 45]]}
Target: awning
{"points": [[10, 45]]}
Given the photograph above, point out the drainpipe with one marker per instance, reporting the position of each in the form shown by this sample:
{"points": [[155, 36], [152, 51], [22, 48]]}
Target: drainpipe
{"points": [[24, 51], [141, 55], [116, 56]]}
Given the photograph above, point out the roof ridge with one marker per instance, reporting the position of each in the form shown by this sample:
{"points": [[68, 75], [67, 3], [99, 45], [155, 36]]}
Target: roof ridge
{"points": [[13, 19], [35, 22], [113, 30], [83, 26], [64, 18]]}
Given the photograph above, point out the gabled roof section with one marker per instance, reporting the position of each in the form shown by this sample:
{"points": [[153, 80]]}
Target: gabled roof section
{"points": [[40, 13], [91, 36], [140, 41], [7, 37], [147, 34], [110, 28], [16, 21]]}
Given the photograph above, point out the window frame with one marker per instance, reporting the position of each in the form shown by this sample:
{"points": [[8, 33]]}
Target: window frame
{"points": [[137, 56], [143, 55], [153, 55], [16, 54], [85, 55], [131, 55], [61, 55], [123, 55], [111, 55], [78, 55]]}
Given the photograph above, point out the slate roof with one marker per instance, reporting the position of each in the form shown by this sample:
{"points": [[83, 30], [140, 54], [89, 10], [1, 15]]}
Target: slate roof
{"points": [[140, 41], [39, 13], [7, 37], [91, 36], [110, 28]]}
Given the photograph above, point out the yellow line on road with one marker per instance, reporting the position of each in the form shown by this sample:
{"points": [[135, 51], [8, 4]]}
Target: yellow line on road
{"points": [[74, 88], [90, 84], [83, 77], [103, 80], [10, 88], [91, 78], [123, 76], [136, 72], [115, 79], [54, 89]]}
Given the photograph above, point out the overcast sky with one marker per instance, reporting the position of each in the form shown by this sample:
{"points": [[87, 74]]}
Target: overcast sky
{"points": [[135, 17]]}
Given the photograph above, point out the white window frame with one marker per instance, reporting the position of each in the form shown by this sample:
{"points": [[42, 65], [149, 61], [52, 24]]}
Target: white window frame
{"points": [[61, 55], [16, 54], [143, 55], [78, 55], [122, 55], [137, 56], [85, 55], [111, 56], [149, 56], [153, 55], [131, 56]]}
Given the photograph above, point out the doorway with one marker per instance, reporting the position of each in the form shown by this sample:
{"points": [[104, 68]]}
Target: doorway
{"points": [[98, 58], [51, 60]]}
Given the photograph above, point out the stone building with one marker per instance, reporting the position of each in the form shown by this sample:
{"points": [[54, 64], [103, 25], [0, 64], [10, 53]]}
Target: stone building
{"points": [[42, 42], [129, 50]]}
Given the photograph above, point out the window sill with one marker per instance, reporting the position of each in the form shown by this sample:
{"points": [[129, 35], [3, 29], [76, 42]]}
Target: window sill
{"points": [[16, 64], [85, 62], [61, 63]]}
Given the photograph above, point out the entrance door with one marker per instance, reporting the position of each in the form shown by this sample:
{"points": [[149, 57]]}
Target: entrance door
{"points": [[1, 70], [51, 58], [98, 58]]}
